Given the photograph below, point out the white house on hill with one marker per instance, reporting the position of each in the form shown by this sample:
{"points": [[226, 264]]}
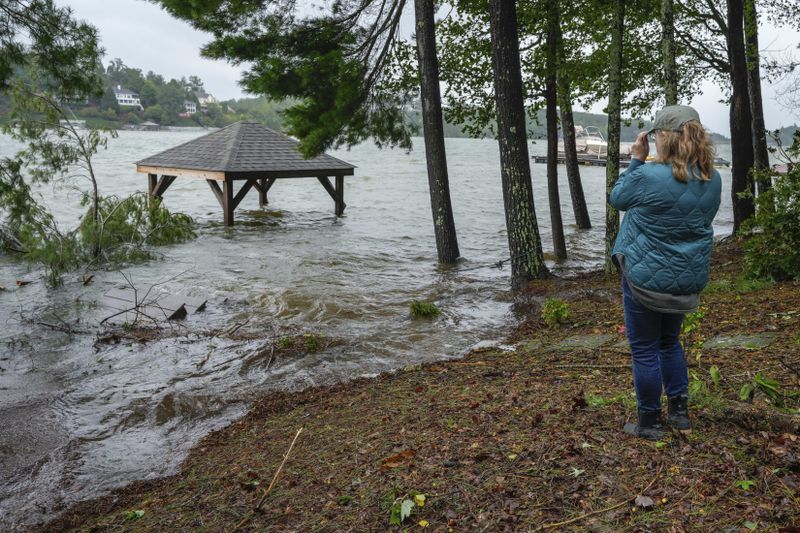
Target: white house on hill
{"points": [[204, 99], [189, 108], [127, 97]]}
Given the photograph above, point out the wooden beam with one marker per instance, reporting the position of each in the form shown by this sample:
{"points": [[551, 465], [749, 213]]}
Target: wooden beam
{"points": [[289, 173], [227, 202], [217, 191], [169, 171], [328, 187], [242, 192], [340, 205], [163, 184], [152, 180], [263, 185]]}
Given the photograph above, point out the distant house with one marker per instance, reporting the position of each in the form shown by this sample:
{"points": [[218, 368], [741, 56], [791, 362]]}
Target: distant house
{"points": [[189, 108], [127, 97], [204, 99]]}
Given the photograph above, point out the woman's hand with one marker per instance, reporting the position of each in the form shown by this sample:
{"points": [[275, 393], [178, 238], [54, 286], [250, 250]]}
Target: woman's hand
{"points": [[641, 148]]}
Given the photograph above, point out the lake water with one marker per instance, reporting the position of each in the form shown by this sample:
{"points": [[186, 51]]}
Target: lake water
{"points": [[77, 419]]}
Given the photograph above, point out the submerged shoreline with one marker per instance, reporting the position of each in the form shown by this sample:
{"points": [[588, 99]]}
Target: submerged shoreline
{"points": [[506, 439]]}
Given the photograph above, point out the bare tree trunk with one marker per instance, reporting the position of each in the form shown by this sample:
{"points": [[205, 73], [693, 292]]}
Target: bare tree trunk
{"points": [[570, 150], [433, 129], [551, 98], [740, 119], [614, 118], [668, 50], [760, 152], [523, 231]]}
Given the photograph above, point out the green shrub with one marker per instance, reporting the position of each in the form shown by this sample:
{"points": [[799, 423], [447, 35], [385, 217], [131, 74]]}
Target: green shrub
{"points": [[554, 311], [773, 247], [421, 309], [312, 343], [126, 231]]}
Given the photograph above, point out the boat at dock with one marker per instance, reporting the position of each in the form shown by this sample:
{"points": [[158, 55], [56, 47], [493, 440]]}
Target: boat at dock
{"points": [[592, 149]]}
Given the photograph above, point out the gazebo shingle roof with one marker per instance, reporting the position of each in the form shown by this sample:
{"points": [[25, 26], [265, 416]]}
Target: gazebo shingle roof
{"points": [[245, 147]]}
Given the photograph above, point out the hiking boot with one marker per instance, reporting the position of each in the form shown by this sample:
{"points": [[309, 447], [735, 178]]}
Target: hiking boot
{"points": [[649, 426], [678, 414]]}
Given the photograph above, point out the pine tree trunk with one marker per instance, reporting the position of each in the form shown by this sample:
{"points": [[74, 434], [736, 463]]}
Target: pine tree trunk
{"points": [[570, 150], [668, 50], [760, 152], [524, 244], [551, 99], [433, 130], [614, 118], [740, 119]]}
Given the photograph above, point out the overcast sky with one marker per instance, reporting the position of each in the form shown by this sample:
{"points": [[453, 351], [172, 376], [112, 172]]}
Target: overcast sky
{"points": [[145, 37]]}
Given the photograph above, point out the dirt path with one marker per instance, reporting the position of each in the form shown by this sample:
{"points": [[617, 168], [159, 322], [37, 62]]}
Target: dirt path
{"points": [[512, 440]]}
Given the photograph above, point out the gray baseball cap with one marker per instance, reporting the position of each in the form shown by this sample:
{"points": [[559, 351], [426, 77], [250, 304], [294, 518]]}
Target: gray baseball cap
{"points": [[673, 117]]}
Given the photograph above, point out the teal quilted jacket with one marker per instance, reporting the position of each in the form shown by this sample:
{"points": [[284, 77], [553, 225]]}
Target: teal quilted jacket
{"points": [[666, 234]]}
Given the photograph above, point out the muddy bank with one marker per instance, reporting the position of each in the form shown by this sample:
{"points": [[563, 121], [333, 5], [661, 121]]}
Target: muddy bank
{"points": [[510, 440]]}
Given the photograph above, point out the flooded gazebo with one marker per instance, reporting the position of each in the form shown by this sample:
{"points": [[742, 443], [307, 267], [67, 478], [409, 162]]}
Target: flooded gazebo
{"points": [[247, 152]]}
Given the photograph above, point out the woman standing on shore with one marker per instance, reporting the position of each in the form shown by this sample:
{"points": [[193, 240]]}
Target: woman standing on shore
{"points": [[663, 251]]}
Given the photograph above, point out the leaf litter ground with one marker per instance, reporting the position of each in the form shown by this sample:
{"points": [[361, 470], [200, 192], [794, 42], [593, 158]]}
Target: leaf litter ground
{"points": [[518, 440]]}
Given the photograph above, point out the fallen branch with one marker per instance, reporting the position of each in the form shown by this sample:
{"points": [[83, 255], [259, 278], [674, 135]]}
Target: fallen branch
{"points": [[600, 511], [64, 328], [577, 365]]}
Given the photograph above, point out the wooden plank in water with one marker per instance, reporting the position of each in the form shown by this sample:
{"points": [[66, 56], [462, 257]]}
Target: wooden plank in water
{"points": [[177, 306]]}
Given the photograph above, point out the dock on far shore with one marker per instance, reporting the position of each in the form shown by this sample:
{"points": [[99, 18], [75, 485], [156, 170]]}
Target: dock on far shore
{"points": [[585, 160]]}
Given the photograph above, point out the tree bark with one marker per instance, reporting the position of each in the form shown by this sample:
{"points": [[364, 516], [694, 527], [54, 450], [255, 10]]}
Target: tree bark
{"points": [[668, 50], [433, 131], [527, 259], [614, 118], [551, 99], [760, 152], [570, 150], [740, 119]]}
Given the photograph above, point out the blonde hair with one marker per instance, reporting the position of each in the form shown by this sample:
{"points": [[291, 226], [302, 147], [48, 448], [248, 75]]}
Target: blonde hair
{"points": [[688, 150]]}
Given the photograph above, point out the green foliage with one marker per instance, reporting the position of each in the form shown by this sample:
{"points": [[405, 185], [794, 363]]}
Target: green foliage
{"points": [[400, 507], [769, 387], [772, 249], [125, 231], [722, 285], [420, 309], [595, 400], [134, 515], [715, 376], [331, 64], [66, 49], [284, 342], [312, 343], [554, 312]]}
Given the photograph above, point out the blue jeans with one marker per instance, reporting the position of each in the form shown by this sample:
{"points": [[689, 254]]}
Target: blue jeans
{"points": [[656, 352]]}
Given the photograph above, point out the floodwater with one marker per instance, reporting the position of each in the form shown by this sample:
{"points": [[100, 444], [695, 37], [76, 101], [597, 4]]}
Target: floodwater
{"points": [[77, 420]]}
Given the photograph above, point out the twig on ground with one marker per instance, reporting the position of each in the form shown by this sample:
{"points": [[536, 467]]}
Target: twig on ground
{"points": [[790, 367], [605, 367], [271, 484], [65, 328], [601, 511], [277, 472]]}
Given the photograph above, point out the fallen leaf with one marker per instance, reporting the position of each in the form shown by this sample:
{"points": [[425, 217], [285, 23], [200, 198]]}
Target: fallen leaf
{"points": [[398, 460], [645, 502], [424, 523], [419, 499]]}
